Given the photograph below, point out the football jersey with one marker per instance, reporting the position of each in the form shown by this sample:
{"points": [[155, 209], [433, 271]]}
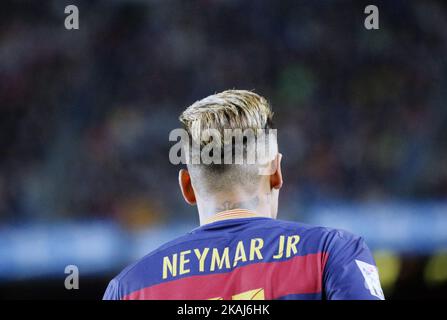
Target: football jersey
{"points": [[241, 255]]}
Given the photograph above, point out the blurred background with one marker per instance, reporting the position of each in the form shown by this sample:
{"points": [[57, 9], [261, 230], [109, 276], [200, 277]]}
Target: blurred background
{"points": [[85, 115]]}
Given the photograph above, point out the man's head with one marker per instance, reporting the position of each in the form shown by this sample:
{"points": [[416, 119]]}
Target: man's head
{"points": [[211, 121]]}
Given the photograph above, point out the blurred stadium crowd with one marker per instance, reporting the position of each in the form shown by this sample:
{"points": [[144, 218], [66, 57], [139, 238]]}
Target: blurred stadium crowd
{"points": [[85, 114]]}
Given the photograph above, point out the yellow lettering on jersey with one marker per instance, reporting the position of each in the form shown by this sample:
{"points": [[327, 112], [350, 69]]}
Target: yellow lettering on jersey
{"points": [[219, 260], [292, 241], [280, 248], [256, 245], [240, 253], [183, 262], [201, 256]]}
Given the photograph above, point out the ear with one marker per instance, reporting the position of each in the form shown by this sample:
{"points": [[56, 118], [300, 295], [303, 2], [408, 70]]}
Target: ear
{"points": [[184, 180], [276, 178]]}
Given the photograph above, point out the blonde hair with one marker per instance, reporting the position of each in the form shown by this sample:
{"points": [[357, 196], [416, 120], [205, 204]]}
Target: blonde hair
{"points": [[230, 109], [234, 110]]}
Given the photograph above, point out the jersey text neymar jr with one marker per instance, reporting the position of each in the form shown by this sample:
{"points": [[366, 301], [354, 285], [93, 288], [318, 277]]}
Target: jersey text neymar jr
{"points": [[244, 256]]}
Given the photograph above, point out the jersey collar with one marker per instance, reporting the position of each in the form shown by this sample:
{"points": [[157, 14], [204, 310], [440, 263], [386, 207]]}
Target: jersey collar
{"points": [[232, 214]]}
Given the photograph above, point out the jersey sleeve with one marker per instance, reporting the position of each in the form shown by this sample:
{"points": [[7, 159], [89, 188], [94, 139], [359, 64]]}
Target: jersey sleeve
{"points": [[112, 291], [350, 272]]}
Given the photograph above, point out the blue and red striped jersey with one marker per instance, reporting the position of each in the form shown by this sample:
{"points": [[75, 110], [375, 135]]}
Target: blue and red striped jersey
{"points": [[244, 256]]}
